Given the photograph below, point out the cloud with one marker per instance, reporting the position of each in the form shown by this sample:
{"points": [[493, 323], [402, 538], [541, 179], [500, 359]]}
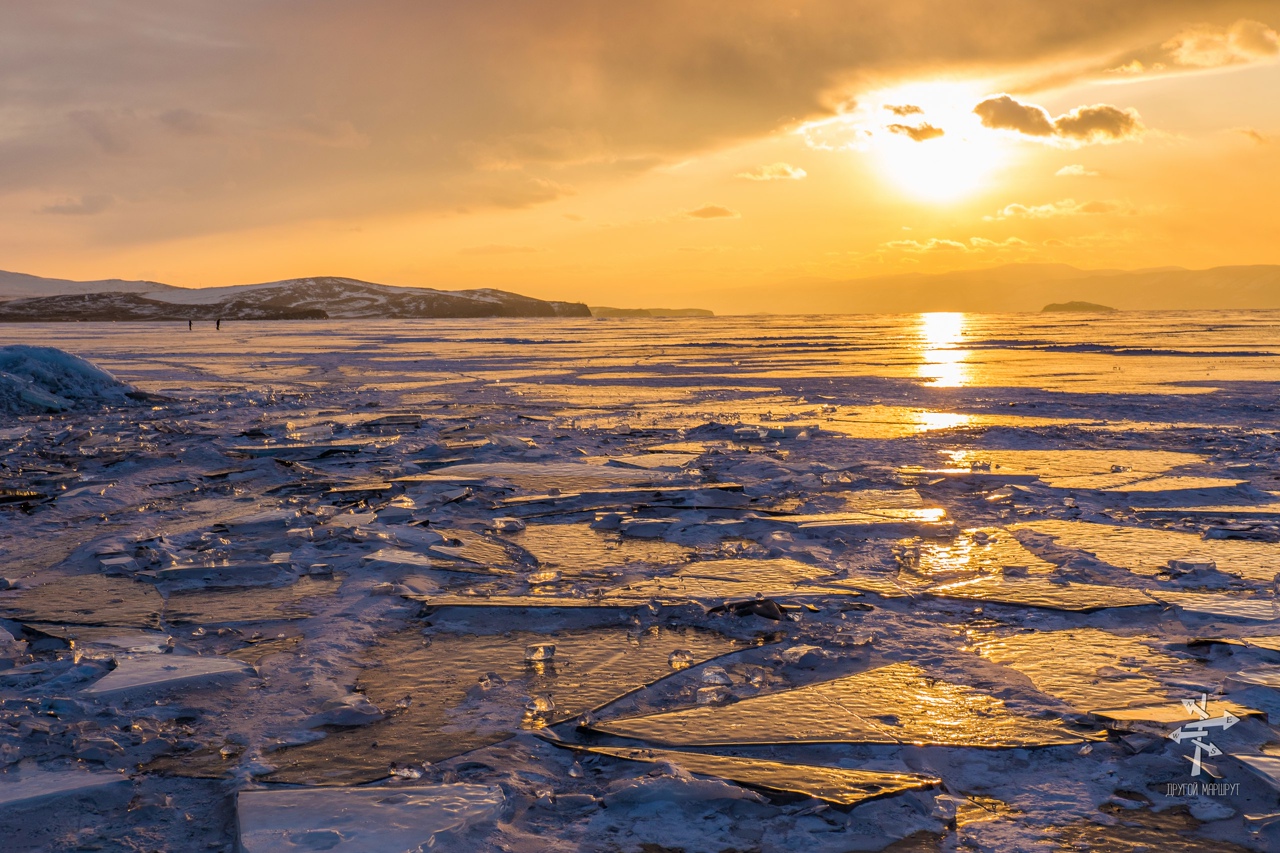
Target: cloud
{"points": [[187, 122], [775, 172], [921, 133], [496, 249], [1075, 170], [1206, 46], [1004, 113], [1096, 123], [713, 211], [1100, 122], [107, 128], [935, 245], [1066, 207], [213, 118], [904, 110], [85, 206], [1254, 134]]}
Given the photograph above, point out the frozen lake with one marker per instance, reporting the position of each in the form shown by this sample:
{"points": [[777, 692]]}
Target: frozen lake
{"points": [[918, 582]]}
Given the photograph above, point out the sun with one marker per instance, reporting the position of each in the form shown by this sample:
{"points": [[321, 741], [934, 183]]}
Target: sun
{"points": [[928, 144]]}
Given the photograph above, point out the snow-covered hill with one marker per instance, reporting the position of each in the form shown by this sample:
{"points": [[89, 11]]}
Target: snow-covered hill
{"points": [[301, 298]]}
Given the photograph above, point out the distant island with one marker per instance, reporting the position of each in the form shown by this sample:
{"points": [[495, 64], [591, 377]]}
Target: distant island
{"points": [[1079, 308], [25, 298], [605, 311]]}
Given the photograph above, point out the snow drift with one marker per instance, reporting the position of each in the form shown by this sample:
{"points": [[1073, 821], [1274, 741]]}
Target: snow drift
{"points": [[47, 379]]}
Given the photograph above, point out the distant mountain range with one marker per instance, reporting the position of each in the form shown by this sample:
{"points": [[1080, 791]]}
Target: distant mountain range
{"points": [[1010, 288], [1014, 287], [26, 298]]}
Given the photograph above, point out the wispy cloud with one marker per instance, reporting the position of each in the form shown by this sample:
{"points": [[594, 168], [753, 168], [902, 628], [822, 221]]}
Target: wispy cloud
{"points": [[935, 245], [1075, 170], [84, 206], [775, 172], [1065, 207]]}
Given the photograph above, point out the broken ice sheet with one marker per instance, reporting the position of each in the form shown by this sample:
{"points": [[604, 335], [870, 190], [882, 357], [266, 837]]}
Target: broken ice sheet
{"points": [[257, 604], [1041, 592], [478, 549], [1147, 551], [834, 784], [231, 575], [362, 820], [1265, 676], [24, 785], [653, 461], [138, 673], [1169, 713], [734, 578], [80, 637], [1223, 606], [577, 549], [890, 422], [1266, 766], [541, 476], [86, 600], [1078, 469], [1271, 644], [1085, 667], [462, 692], [898, 703], [979, 549], [306, 450]]}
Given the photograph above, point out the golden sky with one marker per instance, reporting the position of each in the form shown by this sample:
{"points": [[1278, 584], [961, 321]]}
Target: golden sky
{"points": [[634, 153]]}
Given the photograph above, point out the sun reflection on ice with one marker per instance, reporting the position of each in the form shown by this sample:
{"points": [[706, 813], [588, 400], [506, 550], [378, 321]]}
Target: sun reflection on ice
{"points": [[943, 363]]}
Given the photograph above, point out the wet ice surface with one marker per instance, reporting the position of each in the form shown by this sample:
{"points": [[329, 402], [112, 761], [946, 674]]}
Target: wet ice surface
{"points": [[934, 582]]}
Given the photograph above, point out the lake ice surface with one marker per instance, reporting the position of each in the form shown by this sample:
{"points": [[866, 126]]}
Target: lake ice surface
{"points": [[833, 583]]}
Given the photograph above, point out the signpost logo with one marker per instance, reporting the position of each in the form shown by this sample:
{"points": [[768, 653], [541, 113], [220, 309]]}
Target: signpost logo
{"points": [[1197, 732]]}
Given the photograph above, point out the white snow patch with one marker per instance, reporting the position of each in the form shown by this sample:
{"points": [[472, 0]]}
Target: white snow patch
{"points": [[47, 379]]}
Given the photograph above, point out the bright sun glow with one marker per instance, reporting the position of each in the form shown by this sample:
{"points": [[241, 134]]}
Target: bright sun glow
{"points": [[941, 168], [943, 362]]}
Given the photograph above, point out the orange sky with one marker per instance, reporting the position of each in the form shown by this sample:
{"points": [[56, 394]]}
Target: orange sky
{"points": [[633, 154]]}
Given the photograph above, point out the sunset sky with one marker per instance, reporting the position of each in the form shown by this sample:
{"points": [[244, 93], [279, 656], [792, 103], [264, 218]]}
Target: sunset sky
{"points": [[647, 153]]}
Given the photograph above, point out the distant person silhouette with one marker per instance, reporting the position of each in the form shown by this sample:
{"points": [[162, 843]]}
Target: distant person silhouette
{"points": [[188, 325], [218, 325]]}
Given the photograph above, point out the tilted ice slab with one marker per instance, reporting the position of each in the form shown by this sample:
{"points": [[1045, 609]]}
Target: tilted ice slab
{"points": [[1085, 667], [468, 691], [1223, 606], [146, 672], [362, 820], [21, 787], [899, 703], [1072, 469], [1039, 592], [833, 784], [1147, 551], [566, 476], [730, 579], [984, 549]]}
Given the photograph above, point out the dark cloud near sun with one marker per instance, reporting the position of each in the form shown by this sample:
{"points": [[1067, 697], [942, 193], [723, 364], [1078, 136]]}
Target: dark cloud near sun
{"points": [[904, 110], [920, 133], [202, 117], [1097, 123]]}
